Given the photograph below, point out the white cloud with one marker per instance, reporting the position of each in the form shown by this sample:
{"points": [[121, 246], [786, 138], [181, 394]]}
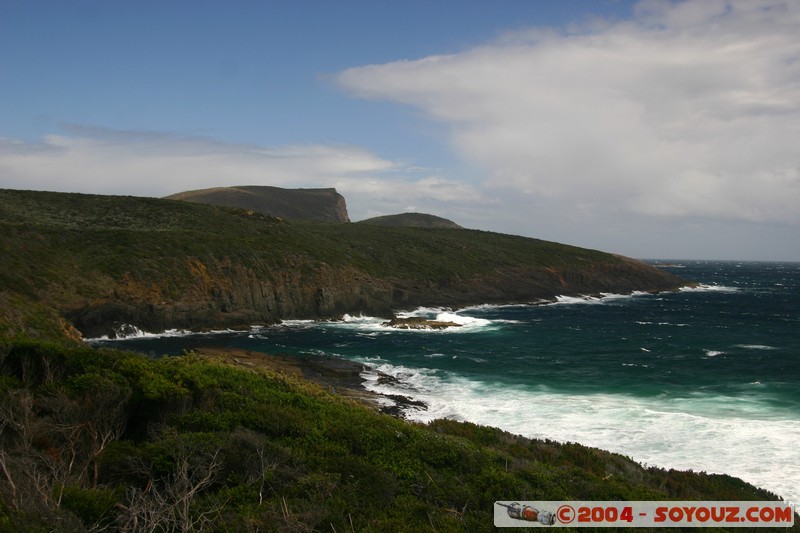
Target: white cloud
{"points": [[691, 109], [666, 132], [376, 196], [120, 162], [103, 161]]}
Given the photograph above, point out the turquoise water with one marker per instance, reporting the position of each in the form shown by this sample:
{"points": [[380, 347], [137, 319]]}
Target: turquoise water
{"points": [[705, 378]]}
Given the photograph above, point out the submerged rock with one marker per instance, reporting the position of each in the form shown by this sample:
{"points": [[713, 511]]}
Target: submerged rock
{"points": [[419, 323]]}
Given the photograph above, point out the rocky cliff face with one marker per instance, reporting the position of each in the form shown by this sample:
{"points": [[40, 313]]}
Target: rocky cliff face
{"points": [[224, 294]]}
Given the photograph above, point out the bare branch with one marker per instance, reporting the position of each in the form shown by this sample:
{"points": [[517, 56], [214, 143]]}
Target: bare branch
{"points": [[167, 504]]}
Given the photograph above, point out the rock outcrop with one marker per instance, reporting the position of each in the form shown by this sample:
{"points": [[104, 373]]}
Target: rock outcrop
{"points": [[303, 204], [419, 323], [222, 294]]}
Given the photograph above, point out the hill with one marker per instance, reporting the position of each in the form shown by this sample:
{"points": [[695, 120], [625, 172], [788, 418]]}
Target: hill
{"points": [[411, 220], [307, 204], [75, 265], [113, 441], [103, 440]]}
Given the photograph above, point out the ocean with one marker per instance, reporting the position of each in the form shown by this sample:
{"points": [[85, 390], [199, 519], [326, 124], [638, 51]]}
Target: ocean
{"points": [[706, 378]]}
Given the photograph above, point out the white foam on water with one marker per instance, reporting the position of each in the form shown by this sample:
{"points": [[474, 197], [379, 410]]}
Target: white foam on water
{"points": [[423, 312], [755, 346], [633, 294], [571, 300], [491, 307], [713, 353], [297, 324], [468, 321], [361, 324], [373, 325], [649, 323], [129, 331], [739, 436], [668, 265], [702, 287], [361, 319], [601, 298]]}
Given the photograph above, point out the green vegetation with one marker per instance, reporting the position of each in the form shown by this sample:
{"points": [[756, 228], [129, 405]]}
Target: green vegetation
{"points": [[115, 230], [94, 440], [417, 220], [107, 440], [95, 262]]}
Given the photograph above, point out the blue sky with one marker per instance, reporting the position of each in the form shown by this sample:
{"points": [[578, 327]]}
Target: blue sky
{"points": [[651, 129]]}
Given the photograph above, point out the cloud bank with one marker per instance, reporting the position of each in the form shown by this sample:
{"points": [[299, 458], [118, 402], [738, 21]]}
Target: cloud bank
{"points": [[688, 110], [104, 161]]}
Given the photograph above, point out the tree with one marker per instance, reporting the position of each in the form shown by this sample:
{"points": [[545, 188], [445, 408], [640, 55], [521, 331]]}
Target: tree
{"points": [[166, 504]]}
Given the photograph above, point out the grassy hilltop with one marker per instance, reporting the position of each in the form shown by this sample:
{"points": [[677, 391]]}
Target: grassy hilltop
{"points": [[415, 220], [74, 264]]}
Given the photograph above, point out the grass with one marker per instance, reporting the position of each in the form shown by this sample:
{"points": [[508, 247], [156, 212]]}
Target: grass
{"points": [[112, 228]]}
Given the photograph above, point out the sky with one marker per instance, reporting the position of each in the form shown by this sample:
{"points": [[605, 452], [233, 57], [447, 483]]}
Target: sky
{"points": [[653, 129]]}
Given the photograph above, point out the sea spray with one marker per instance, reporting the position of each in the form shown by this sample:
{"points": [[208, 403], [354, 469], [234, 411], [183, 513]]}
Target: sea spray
{"points": [[756, 442]]}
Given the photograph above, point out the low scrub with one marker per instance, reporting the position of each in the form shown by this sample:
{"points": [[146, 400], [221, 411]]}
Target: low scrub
{"points": [[109, 440]]}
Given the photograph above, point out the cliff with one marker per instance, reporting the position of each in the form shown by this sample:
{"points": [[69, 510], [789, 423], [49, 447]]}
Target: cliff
{"points": [[75, 265], [307, 204]]}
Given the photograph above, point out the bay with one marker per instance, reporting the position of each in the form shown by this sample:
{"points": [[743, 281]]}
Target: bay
{"points": [[707, 378]]}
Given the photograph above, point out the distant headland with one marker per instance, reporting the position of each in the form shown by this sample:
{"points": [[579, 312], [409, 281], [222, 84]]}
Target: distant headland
{"points": [[79, 265]]}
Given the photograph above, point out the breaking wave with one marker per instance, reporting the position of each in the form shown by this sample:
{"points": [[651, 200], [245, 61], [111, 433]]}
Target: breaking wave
{"points": [[656, 431]]}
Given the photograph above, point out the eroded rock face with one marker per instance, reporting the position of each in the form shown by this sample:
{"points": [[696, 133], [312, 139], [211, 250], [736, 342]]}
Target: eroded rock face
{"points": [[225, 294]]}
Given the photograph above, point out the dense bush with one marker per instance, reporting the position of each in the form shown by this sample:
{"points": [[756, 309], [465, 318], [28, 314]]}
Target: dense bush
{"points": [[102, 440]]}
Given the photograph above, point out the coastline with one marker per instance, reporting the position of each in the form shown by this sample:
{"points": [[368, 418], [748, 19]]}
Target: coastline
{"points": [[337, 376], [671, 450]]}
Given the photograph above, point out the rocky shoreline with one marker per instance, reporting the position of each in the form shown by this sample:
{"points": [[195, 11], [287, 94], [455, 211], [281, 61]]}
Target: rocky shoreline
{"points": [[337, 376]]}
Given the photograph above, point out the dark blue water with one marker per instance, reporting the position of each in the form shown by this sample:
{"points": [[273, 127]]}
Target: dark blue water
{"points": [[657, 377]]}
